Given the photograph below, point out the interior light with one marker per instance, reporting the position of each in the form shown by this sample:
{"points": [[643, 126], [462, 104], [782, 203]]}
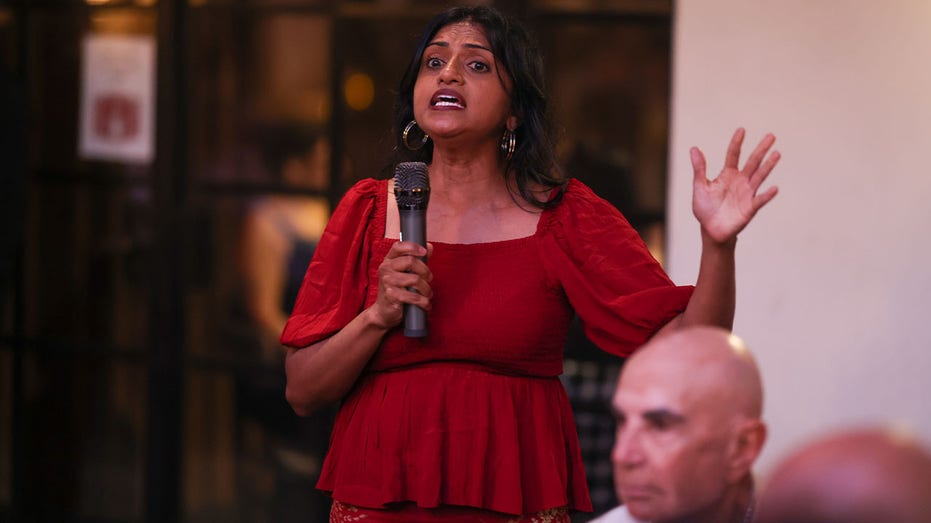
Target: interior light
{"points": [[359, 91]]}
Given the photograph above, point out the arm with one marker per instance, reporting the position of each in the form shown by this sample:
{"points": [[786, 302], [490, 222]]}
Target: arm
{"points": [[714, 298], [325, 371], [723, 207]]}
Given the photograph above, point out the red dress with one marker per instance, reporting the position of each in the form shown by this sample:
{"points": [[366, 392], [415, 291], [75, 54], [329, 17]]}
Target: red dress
{"points": [[474, 414]]}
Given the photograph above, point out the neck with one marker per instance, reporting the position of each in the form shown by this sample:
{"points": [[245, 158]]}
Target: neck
{"points": [[735, 506], [462, 182]]}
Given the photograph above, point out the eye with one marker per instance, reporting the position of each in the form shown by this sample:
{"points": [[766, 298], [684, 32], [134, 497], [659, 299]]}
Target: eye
{"points": [[480, 67], [433, 63], [662, 421]]}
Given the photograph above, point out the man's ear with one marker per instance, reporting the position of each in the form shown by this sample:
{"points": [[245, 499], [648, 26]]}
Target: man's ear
{"points": [[749, 437]]}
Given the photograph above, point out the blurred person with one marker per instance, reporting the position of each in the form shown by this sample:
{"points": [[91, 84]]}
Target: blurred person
{"points": [[688, 409], [471, 423], [281, 231], [869, 475], [279, 234]]}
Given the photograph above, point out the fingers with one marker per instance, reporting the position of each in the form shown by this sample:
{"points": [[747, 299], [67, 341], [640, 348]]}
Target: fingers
{"points": [[400, 249], [763, 198], [403, 264], [733, 149], [395, 295], [405, 278], [698, 164], [753, 162], [758, 176]]}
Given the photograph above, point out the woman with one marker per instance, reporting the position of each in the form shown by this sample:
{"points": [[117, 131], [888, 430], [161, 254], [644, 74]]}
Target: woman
{"points": [[471, 423]]}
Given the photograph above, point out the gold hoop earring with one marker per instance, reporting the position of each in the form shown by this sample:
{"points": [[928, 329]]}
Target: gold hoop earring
{"points": [[407, 130], [508, 144]]}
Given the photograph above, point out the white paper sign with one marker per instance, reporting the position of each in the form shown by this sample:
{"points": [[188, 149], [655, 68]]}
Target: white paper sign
{"points": [[118, 98]]}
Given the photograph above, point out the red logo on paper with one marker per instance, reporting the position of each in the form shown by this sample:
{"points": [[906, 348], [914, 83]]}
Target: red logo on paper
{"points": [[116, 117]]}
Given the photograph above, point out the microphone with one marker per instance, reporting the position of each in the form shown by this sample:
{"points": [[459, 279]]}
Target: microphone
{"points": [[412, 192]]}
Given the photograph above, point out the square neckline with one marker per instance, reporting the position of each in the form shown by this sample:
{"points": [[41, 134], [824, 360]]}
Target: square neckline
{"points": [[381, 217]]}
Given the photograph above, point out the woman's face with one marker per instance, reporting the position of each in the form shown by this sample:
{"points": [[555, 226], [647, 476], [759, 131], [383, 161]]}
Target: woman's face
{"points": [[458, 93]]}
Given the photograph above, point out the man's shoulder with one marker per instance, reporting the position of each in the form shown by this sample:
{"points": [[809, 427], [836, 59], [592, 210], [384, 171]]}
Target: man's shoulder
{"points": [[617, 515]]}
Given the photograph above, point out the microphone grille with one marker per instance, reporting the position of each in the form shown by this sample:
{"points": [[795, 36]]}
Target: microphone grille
{"points": [[411, 185]]}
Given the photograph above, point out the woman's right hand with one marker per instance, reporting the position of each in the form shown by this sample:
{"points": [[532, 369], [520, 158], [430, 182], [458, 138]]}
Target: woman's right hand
{"points": [[401, 270], [325, 371]]}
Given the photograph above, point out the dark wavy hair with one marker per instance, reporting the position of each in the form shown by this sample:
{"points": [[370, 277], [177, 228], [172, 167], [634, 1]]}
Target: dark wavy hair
{"points": [[516, 51]]}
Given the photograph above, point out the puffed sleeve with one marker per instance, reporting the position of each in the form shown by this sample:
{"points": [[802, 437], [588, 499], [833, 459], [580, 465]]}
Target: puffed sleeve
{"points": [[619, 291], [334, 287]]}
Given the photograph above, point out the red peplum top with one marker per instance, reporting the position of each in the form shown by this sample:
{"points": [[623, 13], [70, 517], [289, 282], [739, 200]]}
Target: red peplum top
{"points": [[474, 414]]}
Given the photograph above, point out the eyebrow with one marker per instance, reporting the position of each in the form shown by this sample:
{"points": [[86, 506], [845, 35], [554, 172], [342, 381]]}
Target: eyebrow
{"points": [[653, 415], [471, 46], [663, 415]]}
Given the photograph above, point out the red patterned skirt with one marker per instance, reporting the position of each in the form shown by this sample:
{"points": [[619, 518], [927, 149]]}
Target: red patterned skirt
{"points": [[410, 513]]}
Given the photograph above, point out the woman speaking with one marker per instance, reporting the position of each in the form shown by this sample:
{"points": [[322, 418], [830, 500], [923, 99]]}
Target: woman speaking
{"points": [[471, 423]]}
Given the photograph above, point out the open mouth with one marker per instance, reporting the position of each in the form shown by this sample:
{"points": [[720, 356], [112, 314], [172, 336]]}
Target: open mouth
{"points": [[447, 100]]}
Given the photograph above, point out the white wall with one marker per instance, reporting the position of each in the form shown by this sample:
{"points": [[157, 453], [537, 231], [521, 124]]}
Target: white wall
{"points": [[834, 276]]}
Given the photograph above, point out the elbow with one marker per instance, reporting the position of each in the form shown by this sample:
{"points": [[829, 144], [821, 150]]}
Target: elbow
{"points": [[302, 403], [308, 389], [298, 392], [305, 402]]}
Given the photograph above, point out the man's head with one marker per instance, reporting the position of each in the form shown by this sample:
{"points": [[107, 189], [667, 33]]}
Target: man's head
{"points": [[688, 407], [858, 476]]}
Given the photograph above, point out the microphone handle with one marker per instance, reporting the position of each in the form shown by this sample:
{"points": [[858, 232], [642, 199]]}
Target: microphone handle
{"points": [[414, 229]]}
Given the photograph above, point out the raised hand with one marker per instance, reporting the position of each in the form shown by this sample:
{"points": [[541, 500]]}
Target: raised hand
{"points": [[402, 269], [726, 204]]}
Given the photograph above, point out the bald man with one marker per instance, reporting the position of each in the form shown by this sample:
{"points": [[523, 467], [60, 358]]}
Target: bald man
{"points": [[857, 476], [688, 408]]}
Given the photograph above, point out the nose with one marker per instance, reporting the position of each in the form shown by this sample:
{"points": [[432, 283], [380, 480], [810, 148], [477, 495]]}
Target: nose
{"points": [[627, 451], [452, 72]]}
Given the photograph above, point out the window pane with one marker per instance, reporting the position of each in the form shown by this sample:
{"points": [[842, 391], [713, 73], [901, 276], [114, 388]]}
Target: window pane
{"points": [[247, 456], [208, 470], [609, 87], [246, 452], [380, 52], [87, 265], [259, 82], [56, 85], [85, 424]]}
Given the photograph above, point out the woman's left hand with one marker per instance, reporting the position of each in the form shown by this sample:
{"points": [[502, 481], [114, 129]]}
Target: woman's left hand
{"points": [[726, 204]]}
